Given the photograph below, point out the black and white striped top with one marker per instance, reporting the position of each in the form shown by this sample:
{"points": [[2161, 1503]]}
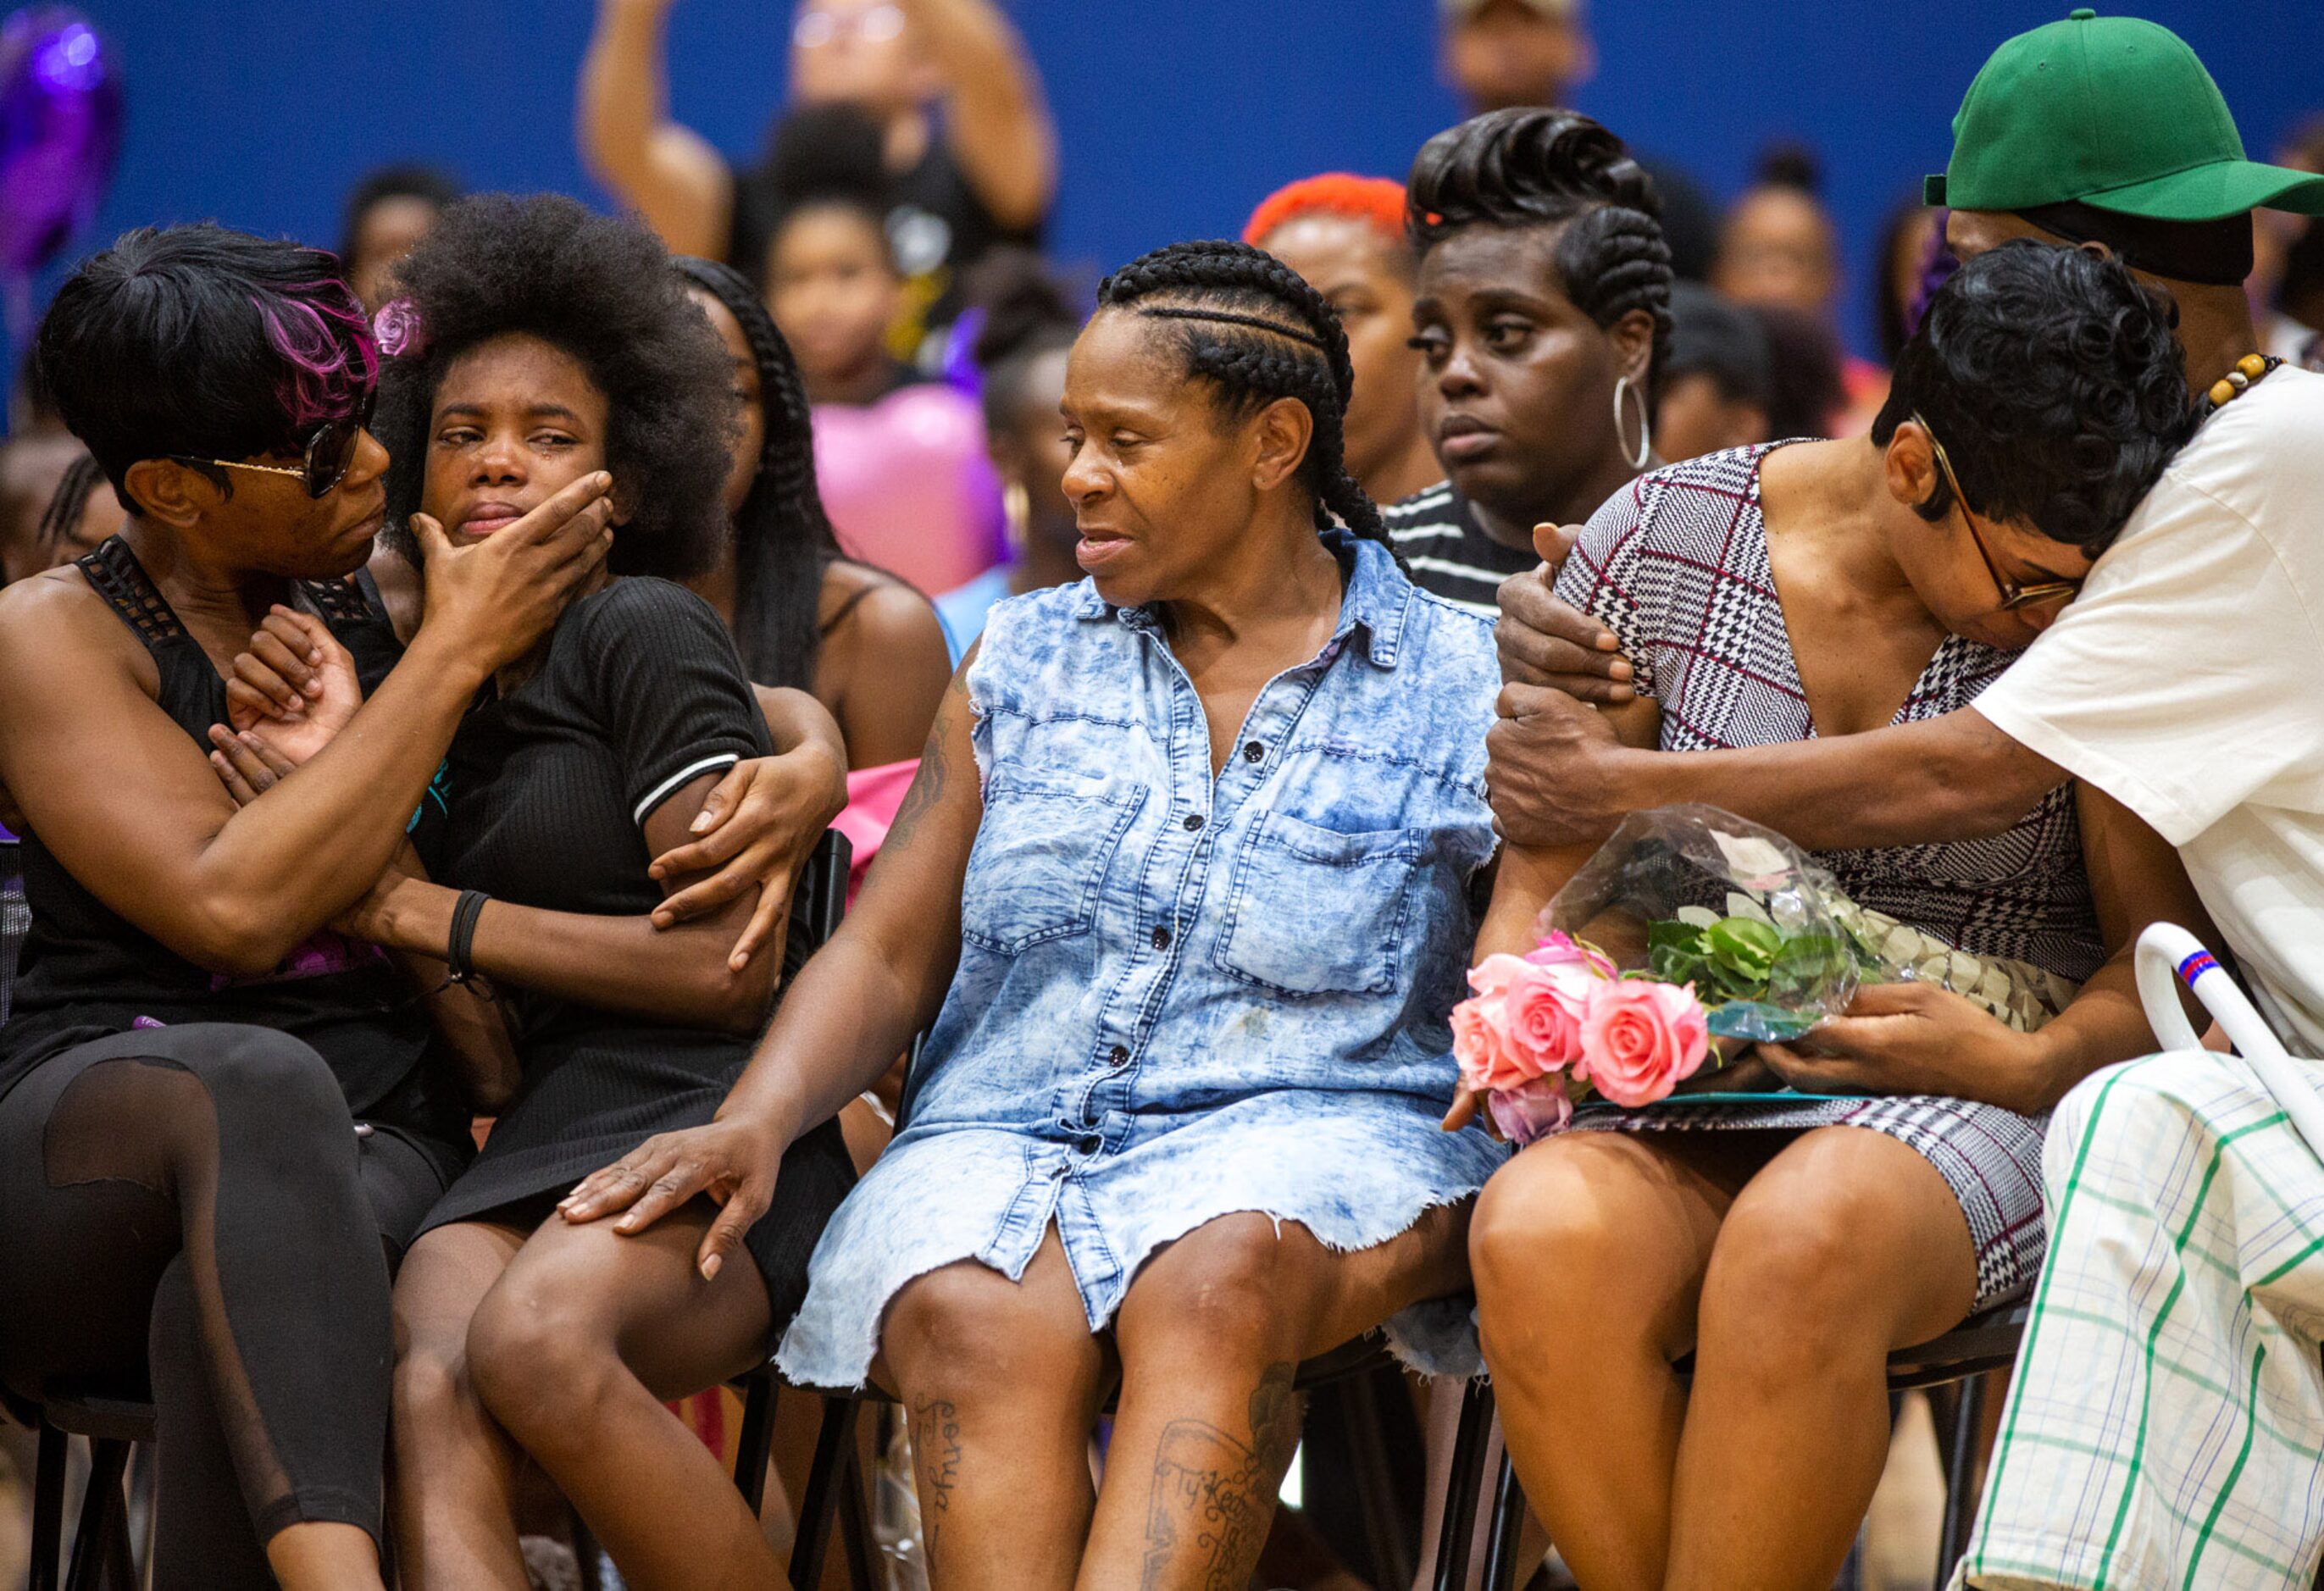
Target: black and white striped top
{"points": [[1449, 552]]}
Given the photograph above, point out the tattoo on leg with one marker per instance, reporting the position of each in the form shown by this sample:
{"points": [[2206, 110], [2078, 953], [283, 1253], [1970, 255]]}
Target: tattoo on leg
{"points": [[935, 1455], [1213, 1495]]}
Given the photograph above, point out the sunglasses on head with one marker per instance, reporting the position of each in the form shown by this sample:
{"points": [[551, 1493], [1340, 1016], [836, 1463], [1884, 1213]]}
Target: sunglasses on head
{"points": [[330, 452], [2014, 597]]}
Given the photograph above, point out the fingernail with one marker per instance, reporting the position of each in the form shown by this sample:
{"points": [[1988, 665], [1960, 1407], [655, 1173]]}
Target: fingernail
{"points": [[710, 1268], [313, 687], [701, 821], [249, 740]]}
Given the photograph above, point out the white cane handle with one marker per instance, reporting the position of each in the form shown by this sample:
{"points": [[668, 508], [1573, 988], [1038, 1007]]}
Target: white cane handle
{"points": [[2167, 953]]}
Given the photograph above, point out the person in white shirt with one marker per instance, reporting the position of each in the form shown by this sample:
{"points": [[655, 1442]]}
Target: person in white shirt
{"points": [[2166, 1419]]}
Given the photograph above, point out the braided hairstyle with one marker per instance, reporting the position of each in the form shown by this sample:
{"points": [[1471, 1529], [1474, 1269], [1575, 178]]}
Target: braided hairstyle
{"points": [[68, 504], [783, 539], [1534, 167], [1252, 327]]}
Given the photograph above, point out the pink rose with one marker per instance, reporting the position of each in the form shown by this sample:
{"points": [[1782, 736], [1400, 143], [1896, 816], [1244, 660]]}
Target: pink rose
{"points": [[1483, 1040], [1558, 948], [397, 330], [1640, 1039], [1531, 1110], [1523, 1021]]}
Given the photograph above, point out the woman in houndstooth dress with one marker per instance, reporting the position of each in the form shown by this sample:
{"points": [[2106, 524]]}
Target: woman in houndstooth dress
{"points": [[1781, 593]]}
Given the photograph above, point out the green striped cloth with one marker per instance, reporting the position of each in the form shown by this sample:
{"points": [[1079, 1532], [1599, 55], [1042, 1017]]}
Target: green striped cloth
{"points": [[2165, 1424]]}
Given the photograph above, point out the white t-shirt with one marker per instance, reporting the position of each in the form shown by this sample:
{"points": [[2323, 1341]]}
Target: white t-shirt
{"points": [[2187, 681]]}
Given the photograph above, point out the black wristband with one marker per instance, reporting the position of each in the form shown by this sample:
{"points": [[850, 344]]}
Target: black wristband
{"points": [[465, 913]]}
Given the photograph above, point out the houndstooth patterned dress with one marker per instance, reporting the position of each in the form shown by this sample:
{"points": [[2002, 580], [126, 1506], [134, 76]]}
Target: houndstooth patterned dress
{"points": [[1677, 567]]}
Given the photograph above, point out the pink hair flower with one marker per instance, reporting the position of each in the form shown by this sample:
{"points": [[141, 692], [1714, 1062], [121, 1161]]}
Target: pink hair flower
{"points": [[397, 330]]}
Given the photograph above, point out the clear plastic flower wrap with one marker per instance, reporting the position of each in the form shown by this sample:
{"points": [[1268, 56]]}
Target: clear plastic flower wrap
{"points": [[1695, 895]]}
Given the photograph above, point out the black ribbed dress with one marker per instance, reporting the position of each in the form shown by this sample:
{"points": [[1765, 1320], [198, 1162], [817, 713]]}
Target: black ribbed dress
{"points": [[550, 787]]}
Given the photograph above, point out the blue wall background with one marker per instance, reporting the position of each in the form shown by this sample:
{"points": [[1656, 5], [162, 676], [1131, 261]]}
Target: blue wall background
{"points": [[1176, 114]]}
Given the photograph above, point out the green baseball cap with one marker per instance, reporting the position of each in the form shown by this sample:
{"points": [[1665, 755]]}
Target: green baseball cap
{"points": [[2115, 113]]}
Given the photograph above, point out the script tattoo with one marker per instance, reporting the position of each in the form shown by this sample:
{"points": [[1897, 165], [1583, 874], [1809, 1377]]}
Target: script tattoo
{"points": [[935, 1454], [1213, 1495]]}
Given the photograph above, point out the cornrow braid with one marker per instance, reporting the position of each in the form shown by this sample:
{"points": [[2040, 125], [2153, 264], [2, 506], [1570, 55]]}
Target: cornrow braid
{"points": [[783, 539], [1531, 167], [69, 502], [1253, 328]]}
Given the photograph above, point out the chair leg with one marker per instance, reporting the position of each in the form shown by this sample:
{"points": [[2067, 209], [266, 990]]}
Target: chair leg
{"points": [[757, 1440], [833, 1443], [1375, 1480], [1501, 1564], [101, 1523], [1467, 1483], [1961, 1468], [855, 1526], [47, 1509]]}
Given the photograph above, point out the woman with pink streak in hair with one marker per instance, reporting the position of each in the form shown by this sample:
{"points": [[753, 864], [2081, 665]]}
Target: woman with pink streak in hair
{"points": [[220, 1121]]}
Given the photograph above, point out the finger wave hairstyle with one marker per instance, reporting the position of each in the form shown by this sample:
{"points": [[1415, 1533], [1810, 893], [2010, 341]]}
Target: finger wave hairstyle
{"points": [[1536, 167], [601, 290], [1252, 327], [2056, 385], [201, 342]]}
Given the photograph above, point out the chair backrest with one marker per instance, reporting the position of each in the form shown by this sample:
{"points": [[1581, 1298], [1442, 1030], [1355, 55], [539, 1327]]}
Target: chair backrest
{"points": [[820, 899]]}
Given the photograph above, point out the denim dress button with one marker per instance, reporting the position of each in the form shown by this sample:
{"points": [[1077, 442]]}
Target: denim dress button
{"points": [[1161, 939], [1194, 822], [1254, 752], [1118, 1055]]}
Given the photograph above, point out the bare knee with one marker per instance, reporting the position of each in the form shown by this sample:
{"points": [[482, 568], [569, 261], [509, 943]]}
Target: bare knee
{"points": [[1550, 1239], [542, 1358], [1788, 1283], [965, 1332], [1233, 1292]]}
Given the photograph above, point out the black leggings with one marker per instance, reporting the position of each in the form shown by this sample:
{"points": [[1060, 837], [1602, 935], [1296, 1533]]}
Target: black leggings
{"points": [[196, 1200]]}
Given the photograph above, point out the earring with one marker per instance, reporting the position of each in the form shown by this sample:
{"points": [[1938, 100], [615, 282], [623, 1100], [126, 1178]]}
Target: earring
{"points": [[1016, 516], [1637, 461]]}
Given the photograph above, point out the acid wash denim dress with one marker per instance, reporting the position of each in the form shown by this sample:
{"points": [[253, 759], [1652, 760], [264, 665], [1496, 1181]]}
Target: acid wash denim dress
{"points": [[1182, 996]]}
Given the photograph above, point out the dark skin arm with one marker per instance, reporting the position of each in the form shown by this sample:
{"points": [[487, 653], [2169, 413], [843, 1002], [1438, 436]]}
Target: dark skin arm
{"points": [[883, 667], [468, 1024], [682, 974], [855, 1007], [1911, 1038], [1561, 778], [131, 808], [752, 836]]}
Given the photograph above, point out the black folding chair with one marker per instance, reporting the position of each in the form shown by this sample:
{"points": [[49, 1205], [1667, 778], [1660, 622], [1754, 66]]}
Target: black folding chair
{"points": [[1982, 1343]]}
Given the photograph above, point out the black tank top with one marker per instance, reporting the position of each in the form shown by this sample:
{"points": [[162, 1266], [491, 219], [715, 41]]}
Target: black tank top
{"points": [[87, 972]]}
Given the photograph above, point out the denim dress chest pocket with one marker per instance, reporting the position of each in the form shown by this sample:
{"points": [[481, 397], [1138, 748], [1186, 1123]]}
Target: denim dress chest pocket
{"points": [[1038, 865], [1322, 911]]}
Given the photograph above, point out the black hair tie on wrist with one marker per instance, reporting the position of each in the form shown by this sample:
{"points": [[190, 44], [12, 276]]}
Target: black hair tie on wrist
{"points": [[465, 913]]}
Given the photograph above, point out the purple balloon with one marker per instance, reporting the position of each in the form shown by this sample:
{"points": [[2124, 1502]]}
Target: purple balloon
{"points": [[59, 133]]}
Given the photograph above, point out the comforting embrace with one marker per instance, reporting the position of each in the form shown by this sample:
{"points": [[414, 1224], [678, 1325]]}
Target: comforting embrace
{"points": [[443, 734]]}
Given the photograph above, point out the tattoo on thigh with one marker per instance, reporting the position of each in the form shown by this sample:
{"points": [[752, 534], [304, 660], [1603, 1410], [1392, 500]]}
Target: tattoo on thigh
{"points": [[935, 1454], [1214, 1494]]}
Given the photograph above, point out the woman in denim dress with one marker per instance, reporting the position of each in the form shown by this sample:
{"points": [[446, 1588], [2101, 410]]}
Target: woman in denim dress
{"points": [[1184, 886]]}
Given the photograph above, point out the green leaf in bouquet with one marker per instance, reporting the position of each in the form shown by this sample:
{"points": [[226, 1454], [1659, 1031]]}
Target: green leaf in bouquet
{"points": [[1743, 947], [1674, 952], [1809, 962]]}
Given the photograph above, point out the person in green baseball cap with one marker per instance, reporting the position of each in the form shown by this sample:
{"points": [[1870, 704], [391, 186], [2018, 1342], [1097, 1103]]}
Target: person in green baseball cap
{"points": [[2108, 132], [2166, 1414]]}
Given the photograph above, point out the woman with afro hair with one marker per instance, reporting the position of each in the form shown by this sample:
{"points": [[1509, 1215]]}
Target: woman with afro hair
{"points": [[530, 344]]}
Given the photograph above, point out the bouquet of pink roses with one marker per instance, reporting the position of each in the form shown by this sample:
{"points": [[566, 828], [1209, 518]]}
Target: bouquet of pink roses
{"points": [[1546, 1028]]}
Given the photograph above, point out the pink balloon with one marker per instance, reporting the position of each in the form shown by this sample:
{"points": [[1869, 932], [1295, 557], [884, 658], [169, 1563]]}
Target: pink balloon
{"points": [[908, 485]]}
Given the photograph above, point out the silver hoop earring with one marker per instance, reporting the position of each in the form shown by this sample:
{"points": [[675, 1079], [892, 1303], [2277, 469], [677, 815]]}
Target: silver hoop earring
{"points": [[1645, 428]]}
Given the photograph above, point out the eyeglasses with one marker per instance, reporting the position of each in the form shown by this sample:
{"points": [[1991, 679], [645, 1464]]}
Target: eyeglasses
{"points": [[2014, 596], [329, 455], [817, 26]]}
